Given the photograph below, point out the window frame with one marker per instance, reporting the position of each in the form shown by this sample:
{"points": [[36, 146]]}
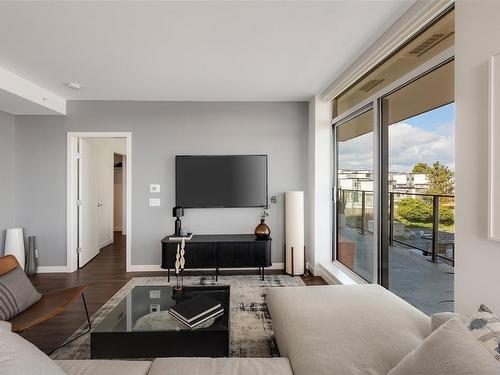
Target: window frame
{"points": [[335, 233], [380, 159]]}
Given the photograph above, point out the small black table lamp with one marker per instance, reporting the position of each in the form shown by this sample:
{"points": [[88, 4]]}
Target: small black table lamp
{"points": [[178, 212]]}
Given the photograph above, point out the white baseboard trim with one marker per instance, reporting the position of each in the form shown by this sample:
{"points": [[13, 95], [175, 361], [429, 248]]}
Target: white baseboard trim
{"points": [[106, 243], [312, 269], [52, 269], [145, 268], [336, 273], [327, 276], [157, 268]]}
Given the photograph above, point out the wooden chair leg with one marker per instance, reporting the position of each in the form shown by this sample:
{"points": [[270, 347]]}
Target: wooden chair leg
{"points": [[80, 335]]}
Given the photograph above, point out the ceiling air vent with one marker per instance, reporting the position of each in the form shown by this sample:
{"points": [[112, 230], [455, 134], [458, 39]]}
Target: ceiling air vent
{"points": [[427, 44], [370, 85]]}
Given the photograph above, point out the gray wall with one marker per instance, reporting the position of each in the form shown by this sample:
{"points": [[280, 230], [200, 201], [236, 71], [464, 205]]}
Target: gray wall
{"points": [[159, 131], [7, 136]]}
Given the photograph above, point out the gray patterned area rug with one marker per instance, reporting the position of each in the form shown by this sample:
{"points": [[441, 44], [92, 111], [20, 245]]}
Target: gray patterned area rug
{"points": [[251, 333]]}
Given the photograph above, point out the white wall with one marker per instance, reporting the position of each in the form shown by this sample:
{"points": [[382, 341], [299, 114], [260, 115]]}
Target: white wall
{"points": [[319, 200], [477, 266], [7, 136]]}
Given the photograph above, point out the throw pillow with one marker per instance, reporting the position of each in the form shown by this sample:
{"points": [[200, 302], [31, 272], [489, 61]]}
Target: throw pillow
{"points": [[438, 319], [16, 293], [485, 327], [449, 350]]}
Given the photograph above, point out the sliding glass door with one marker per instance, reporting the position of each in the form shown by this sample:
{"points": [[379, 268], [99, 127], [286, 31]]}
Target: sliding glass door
{"points": [[354, 193], [419, 236], [394, 172]]}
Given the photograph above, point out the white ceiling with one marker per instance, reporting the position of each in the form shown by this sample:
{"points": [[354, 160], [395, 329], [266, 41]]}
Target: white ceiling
{"points": [[208, 50]]}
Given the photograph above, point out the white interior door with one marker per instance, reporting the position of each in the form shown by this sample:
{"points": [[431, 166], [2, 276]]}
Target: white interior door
{"points": [[88, 195], [124, 194], [105, 169]]}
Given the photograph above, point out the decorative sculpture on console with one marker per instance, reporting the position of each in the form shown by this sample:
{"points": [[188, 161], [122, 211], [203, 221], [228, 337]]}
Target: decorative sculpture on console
{"points": [[180, 262]]}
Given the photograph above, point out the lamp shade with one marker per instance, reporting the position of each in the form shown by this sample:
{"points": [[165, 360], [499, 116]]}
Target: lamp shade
{"points": [[178, 211], [14, 245], [294, 232]]}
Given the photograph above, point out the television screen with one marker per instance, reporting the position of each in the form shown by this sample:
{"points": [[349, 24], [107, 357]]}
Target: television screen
{"points": [[221, 181]]}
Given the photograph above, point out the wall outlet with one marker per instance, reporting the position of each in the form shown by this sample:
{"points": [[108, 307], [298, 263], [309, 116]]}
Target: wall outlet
{"points": [[155, 293], [154, 307], [154, 188], [154, 202]]}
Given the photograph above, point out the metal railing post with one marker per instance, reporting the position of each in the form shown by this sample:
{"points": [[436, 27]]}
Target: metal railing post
{"points": [[391, 218], [362, 212], [435, 226]]}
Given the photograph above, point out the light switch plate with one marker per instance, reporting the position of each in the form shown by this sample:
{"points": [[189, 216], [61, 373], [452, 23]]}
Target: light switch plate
{"points": [[155, 293], [154, 202], [154, 188]]}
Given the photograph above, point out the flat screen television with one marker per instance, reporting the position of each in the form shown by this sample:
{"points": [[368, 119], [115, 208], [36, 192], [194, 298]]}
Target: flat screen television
{"points": [[221, 181]]}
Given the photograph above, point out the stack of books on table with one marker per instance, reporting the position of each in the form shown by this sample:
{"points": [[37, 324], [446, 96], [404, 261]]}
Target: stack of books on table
{"points": [[196, 310], [187, 237]]}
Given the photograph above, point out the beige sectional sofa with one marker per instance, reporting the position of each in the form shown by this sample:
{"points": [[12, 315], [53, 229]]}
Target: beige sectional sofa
{"points": [[345, 330], [179, 366]]}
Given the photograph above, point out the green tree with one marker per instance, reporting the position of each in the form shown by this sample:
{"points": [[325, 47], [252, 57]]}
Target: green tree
{"points": [[441, 179], [446, 215], [414, 210], [421, 168]]}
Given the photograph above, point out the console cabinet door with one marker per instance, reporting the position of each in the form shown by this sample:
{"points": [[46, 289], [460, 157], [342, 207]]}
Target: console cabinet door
{"points": [[242, 254], [197, 255]]}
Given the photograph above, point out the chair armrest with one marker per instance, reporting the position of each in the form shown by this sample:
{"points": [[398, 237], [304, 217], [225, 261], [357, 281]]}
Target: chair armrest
{"points": [[50, 305]]}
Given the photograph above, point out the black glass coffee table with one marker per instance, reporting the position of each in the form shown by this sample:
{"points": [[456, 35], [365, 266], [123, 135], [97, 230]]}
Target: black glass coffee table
{"points": [[141, 327]]}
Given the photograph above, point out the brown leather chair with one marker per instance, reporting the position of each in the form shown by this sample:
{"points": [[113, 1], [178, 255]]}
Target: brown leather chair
{"points": [[50, 305]]}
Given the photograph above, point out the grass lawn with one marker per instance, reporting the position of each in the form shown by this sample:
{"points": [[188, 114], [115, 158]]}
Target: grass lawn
{"points": [[443, 227]]}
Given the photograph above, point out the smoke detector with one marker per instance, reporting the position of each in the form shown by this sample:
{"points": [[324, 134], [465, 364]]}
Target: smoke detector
{"points": [[74, 85]]}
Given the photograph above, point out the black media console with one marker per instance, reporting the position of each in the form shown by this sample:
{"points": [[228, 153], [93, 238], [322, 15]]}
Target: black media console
{"points": [[219, 251]]}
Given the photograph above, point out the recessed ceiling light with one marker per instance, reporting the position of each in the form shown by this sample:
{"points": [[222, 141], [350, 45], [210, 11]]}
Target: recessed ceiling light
{"points": [[74, 85]]}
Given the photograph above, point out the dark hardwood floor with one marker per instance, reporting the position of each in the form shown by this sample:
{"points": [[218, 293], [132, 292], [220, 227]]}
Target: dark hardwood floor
{"points": [[105, 275]]}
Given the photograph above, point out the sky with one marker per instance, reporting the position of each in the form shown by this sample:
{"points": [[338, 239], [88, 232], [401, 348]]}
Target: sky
{"points": [[428, 137]]}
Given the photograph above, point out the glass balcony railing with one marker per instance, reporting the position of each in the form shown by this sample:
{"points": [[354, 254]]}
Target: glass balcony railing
{"points": [[423, 222], [421, 244]]}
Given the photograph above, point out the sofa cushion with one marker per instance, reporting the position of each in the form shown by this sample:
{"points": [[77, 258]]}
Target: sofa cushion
{"points": [[5, 326], [438, 319], [450, 350], [104, 367], [16, 293], [18, 356], [344, 329], [221, 366], [485, 326]]}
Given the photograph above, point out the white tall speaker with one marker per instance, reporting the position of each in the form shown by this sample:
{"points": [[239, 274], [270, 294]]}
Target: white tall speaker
{"points": [[14, 245], [294, 233]]}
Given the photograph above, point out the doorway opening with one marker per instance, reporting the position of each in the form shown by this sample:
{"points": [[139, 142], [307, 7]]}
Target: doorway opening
{"points": [[99, 198]]}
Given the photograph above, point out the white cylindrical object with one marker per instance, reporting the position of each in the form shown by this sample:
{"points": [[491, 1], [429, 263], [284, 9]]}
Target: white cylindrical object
{"points": [[294, 232], [14, 245]]}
